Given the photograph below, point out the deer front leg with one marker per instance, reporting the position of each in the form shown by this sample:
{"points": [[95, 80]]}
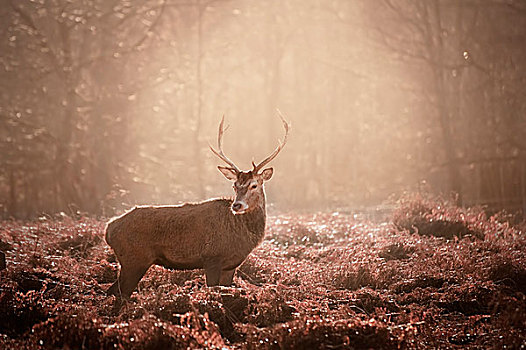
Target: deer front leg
{"points": [[226, 277], [129, 277], [212, 271]]}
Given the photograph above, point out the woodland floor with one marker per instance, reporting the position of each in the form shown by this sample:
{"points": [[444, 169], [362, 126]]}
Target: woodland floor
{"points": [[434, 276]]}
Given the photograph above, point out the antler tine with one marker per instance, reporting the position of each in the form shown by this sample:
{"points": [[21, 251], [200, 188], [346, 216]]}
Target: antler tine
{"points": [[278, 149], [220, 153]]}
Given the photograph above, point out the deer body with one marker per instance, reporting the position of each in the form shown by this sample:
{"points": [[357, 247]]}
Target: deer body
{"points": [[215, 235], [204, 235]]}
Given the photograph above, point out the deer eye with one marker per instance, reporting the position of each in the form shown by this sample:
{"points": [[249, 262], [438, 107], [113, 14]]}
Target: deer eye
{"points": [[254, 186]]}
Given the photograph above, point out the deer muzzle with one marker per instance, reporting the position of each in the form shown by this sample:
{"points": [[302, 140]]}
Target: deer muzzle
{"points": [[239, 207]]}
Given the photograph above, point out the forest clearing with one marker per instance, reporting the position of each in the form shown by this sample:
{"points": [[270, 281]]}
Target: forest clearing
{"points": [[434, 276], [394, 218]]}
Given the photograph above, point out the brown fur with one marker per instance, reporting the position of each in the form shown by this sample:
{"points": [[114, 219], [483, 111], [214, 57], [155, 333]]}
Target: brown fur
{"points": [[204, 235]]}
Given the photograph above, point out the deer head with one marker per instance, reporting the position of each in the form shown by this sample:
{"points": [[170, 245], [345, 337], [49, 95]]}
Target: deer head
{"points": [[248, 185]]}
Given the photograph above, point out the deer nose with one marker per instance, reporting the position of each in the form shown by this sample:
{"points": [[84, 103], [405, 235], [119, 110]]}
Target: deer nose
{"points": [[236, 206]]}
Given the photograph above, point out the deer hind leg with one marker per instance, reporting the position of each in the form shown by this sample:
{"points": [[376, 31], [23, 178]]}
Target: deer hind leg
{"points": [[128, 279], [226, 277]]}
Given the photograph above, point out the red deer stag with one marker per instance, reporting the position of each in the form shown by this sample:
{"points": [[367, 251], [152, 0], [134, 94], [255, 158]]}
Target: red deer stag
{"points": [[215, 235]]}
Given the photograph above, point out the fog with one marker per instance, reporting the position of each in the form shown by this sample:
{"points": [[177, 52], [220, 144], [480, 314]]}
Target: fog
{"points": [[108, 104]]}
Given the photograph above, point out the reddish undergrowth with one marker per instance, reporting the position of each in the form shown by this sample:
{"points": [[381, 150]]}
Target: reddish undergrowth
{"points": [[436, 276]]}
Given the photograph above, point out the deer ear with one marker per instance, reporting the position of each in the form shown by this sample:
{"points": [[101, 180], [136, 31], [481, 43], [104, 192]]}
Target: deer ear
{"points": [[229, 173], [267, 173]]}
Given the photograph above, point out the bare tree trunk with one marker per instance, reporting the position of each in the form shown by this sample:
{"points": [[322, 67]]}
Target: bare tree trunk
{"points": [[198, 159], [455, 181], [523, 186], [273, 68], [453, 170], [64, 169], [12, 193], [273, 93]]}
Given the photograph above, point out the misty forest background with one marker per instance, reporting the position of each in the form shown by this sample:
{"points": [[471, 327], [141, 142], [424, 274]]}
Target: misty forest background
{"points": [[105, 104]]}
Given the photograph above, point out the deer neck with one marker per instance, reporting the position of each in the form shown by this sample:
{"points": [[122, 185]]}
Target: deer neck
{"points": [[254, 221], [263, 203]]}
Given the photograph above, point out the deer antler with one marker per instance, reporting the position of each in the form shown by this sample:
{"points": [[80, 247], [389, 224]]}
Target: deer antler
{"points": [[277, 150], [220, 153]]}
